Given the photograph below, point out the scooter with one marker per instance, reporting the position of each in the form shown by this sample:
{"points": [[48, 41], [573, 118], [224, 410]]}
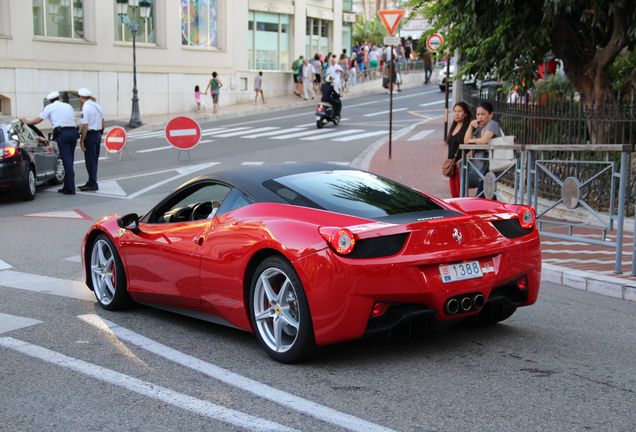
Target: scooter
{"points": [[324, 114]]}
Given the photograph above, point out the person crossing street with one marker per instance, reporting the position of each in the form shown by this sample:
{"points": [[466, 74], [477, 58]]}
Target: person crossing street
{"points": [[62, 117], [92, 127]]}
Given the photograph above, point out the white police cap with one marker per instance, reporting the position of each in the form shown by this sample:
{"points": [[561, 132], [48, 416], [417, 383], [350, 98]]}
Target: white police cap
{"points": [[84, 92], [53, 95]]}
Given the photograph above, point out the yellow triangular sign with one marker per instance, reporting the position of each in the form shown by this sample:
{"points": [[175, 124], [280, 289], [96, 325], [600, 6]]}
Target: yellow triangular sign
{"points": [[391, 19]]}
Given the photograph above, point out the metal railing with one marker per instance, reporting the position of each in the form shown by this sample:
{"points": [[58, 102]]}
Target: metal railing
{"points": [[605, 180]]}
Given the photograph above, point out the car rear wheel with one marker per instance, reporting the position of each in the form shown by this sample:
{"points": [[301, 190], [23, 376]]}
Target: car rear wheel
{"points": [[492, 313], [28, 189], [279, 312], [59, 173], [107, 275]]}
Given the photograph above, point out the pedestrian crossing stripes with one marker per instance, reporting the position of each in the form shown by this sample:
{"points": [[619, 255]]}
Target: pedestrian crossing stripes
{"points": [[275, 133]]}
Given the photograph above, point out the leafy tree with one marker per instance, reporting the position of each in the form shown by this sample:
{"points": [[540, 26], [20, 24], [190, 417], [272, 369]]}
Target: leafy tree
{"points": [[371, 31], [513, 36]]}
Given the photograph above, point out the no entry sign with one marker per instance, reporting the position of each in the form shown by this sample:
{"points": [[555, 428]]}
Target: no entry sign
{"points": [[115, 140], [434, 42], [183, 133]]}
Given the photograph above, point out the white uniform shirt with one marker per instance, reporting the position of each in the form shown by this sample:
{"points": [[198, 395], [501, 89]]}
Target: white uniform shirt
{"points": [[59, 114], [335, 71], [92, 115]]}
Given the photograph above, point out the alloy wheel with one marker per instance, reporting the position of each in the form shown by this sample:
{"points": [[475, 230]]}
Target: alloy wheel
{"points": [[103, 271], [276, 310]]}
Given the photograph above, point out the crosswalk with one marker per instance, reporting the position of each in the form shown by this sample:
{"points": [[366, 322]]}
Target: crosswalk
{"points": [[302, 132]]}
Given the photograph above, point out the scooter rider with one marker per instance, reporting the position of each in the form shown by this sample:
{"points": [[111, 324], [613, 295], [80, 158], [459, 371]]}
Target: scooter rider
{"points": [[330, 95]]}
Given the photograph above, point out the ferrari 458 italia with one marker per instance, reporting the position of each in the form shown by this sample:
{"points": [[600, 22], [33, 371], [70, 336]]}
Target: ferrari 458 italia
{"points": [[304, 255]]}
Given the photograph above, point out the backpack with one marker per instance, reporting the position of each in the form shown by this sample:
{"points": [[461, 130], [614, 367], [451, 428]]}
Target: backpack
{"points": [[360, 58]]}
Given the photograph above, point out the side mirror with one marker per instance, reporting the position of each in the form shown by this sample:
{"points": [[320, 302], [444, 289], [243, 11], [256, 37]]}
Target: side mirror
{"points": [[129, 222]]}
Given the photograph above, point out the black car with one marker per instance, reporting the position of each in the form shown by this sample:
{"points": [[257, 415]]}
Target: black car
{"points": [[27, 159]]}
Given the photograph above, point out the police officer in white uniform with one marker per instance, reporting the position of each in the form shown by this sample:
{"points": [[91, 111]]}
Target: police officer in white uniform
{"points": [[91, 128], [62, 116]]}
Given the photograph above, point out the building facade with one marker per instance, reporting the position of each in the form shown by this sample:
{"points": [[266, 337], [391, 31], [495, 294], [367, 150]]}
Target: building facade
{"points": [[62, 45]]}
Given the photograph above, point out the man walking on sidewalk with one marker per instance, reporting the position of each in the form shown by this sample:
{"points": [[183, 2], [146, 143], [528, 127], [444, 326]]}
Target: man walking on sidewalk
{"points": [[92, 127]]}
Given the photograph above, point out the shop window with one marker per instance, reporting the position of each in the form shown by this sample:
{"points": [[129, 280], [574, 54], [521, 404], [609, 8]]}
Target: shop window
{"points": [[145, 27], [268, 41], [58, 18], [199, 23]]}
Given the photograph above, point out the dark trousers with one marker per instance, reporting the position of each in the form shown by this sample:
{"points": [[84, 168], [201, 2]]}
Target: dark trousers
{"points": [[93, 143], [337, 107], [66, 143], [428, 71]]}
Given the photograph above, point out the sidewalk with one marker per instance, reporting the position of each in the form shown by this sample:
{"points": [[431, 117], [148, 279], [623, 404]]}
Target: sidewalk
{"points": [[586, 267]]}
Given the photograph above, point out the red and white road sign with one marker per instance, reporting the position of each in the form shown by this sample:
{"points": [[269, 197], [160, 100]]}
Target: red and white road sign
{"points": [[183, 133], [391, 19], [115, 140], [434, 42]]}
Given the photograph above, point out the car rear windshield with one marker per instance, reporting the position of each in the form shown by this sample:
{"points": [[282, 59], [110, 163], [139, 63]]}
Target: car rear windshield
{"points": [[351, 192]]}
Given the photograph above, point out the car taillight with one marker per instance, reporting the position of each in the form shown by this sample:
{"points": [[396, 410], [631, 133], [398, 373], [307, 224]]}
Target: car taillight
{"points": [[341, 240], [527, 217], [8, 152], [319, 109]]}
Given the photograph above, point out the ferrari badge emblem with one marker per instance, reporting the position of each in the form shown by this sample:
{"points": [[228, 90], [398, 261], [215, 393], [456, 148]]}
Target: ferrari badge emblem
{"points": [[457, 235], [121, 232]]}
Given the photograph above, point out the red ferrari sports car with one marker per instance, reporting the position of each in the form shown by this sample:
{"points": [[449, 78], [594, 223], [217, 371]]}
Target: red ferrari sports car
{"points": [[305, 255]]}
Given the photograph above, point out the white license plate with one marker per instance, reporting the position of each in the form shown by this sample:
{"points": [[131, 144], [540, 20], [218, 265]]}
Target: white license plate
{"points": [[318, 117], [460, 271]]}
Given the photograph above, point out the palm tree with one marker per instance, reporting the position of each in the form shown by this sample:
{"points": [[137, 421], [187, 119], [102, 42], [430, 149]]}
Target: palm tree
{"points": [[371, 31]]}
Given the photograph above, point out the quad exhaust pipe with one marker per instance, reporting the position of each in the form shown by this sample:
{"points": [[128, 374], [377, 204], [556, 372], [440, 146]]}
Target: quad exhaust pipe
{"points": [[464, 303]]}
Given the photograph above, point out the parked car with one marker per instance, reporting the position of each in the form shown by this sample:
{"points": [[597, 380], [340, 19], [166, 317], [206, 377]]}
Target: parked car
{"points": [[27, 159], [305, 255]]}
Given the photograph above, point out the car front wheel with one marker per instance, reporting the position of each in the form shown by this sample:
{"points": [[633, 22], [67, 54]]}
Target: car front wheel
{"points": [[279, 312], [107, 275], [28, 189], [59, 173]]}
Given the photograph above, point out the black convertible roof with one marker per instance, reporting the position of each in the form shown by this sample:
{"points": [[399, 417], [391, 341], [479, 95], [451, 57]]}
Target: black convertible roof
{"points": [[250, 179]]}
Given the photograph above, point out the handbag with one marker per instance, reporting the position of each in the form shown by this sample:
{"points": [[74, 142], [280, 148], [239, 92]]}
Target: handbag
{"points": [[450, 165], [501, 158]]}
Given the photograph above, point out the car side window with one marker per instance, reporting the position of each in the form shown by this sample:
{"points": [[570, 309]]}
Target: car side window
{"points": [[198, 202], [234, 200]]}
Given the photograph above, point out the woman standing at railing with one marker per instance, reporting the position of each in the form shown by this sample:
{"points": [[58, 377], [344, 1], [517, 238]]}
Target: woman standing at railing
{"points": [[461, 120], [481, 131]]}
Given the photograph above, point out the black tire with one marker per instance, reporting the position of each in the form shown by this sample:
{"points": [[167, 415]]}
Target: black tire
{"points": [[299, 341], [113, 295], [60, 173], [29, 187], [492, 313], [320, 123]]}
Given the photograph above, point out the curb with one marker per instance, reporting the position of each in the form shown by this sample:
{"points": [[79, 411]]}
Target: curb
{"points": [[608, 286]]}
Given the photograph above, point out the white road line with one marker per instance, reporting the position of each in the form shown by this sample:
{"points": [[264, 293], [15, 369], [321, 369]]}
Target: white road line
{"points": [[5, 265], [45, 285], [154, 149], [339, 163], [312, 409], [144, 388], [247, 131], [581, 261], [223, 131], [314, 123], [74, 259], [421, 135], [82, 161], [579, 252], [205, 141], [384, 112], [14, 322], [252, 163], [182, 173], [276, 132], [432, 103], [298, 134], [364, 135], [328, 135]]}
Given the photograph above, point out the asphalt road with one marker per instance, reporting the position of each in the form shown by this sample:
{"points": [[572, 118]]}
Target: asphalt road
{"points": [[566, 363]]}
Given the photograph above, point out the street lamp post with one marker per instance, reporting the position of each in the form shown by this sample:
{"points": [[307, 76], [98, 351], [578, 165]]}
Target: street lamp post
{"points": [[144, 12]]}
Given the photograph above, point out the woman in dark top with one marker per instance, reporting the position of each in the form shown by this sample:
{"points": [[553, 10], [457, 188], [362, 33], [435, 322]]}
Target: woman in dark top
{"points": [[461, 120]]}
